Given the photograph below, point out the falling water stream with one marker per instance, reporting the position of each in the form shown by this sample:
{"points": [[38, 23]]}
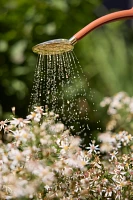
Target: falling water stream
{"points": [[59, 83]]}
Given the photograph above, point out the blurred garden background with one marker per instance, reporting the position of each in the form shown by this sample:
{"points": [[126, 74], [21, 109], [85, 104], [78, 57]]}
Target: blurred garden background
{"points": [[106, 54]]}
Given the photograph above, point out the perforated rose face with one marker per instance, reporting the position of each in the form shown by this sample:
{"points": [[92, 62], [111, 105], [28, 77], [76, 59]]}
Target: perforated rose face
{"points": [[52, 47]]}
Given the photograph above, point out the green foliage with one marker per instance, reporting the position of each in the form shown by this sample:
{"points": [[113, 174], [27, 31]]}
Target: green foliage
{"points": [[24, 24]]}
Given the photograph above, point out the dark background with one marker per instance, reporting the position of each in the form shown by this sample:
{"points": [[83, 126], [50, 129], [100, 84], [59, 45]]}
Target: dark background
{"points": [[119, 4]]}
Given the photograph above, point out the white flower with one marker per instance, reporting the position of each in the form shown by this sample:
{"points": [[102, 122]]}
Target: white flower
{"points": [[16, 134], [45, 173], [108, 141], [116, 103], [67, 171], [35, 116], [31, 165], [106, 147], [113, 155], [63, 144], [74, 141], [24, 135], [27, 152], [19, 122], [124, 137], [106, 137], [21, 187], [106, 101], [38, 109], [128, 138], [57, 128], [121, 183], [119, 195], [118, 173], [72, 162], [112, 111], [3, 124], [109, 192], [93, 148], [83, 158], [16, 156], [77, 160]]}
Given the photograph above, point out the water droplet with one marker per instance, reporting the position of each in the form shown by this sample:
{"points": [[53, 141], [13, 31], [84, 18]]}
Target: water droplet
{"points": [[58, 83]]}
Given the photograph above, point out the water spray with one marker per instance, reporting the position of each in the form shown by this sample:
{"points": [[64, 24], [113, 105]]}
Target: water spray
{"points": [[59, 46], [58, 80]]}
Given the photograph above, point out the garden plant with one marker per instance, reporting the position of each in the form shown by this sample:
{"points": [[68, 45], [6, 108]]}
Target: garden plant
{"points": [[40, 159]]}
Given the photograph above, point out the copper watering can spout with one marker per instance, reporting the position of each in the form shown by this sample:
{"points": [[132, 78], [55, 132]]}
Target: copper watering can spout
{"points": [[59, 46]]}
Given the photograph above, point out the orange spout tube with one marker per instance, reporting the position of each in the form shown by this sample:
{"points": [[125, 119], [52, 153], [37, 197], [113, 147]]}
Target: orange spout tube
{"points": [[125, 14]]}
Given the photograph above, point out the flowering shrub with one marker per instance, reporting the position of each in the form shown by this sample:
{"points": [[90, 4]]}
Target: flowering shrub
{"points": [[40, 159]]}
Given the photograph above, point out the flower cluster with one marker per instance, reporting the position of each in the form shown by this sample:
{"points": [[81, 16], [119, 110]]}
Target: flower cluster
{"points": [[116, 144], [120, 110], [118, 161], [41, 160]]}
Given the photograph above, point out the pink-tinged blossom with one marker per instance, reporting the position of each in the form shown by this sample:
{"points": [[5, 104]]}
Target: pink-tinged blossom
{"points": [[16, 157], [45, 173], [34, 116], [16, 134], [38, 109], [118, 195], [121, 183], [73, 162], [106, 137], [59, 127], [109, 192], [122, 136], [3, 124], [67, 171], [113, 155], [77, 160], [93, 148], [20, 122]]}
